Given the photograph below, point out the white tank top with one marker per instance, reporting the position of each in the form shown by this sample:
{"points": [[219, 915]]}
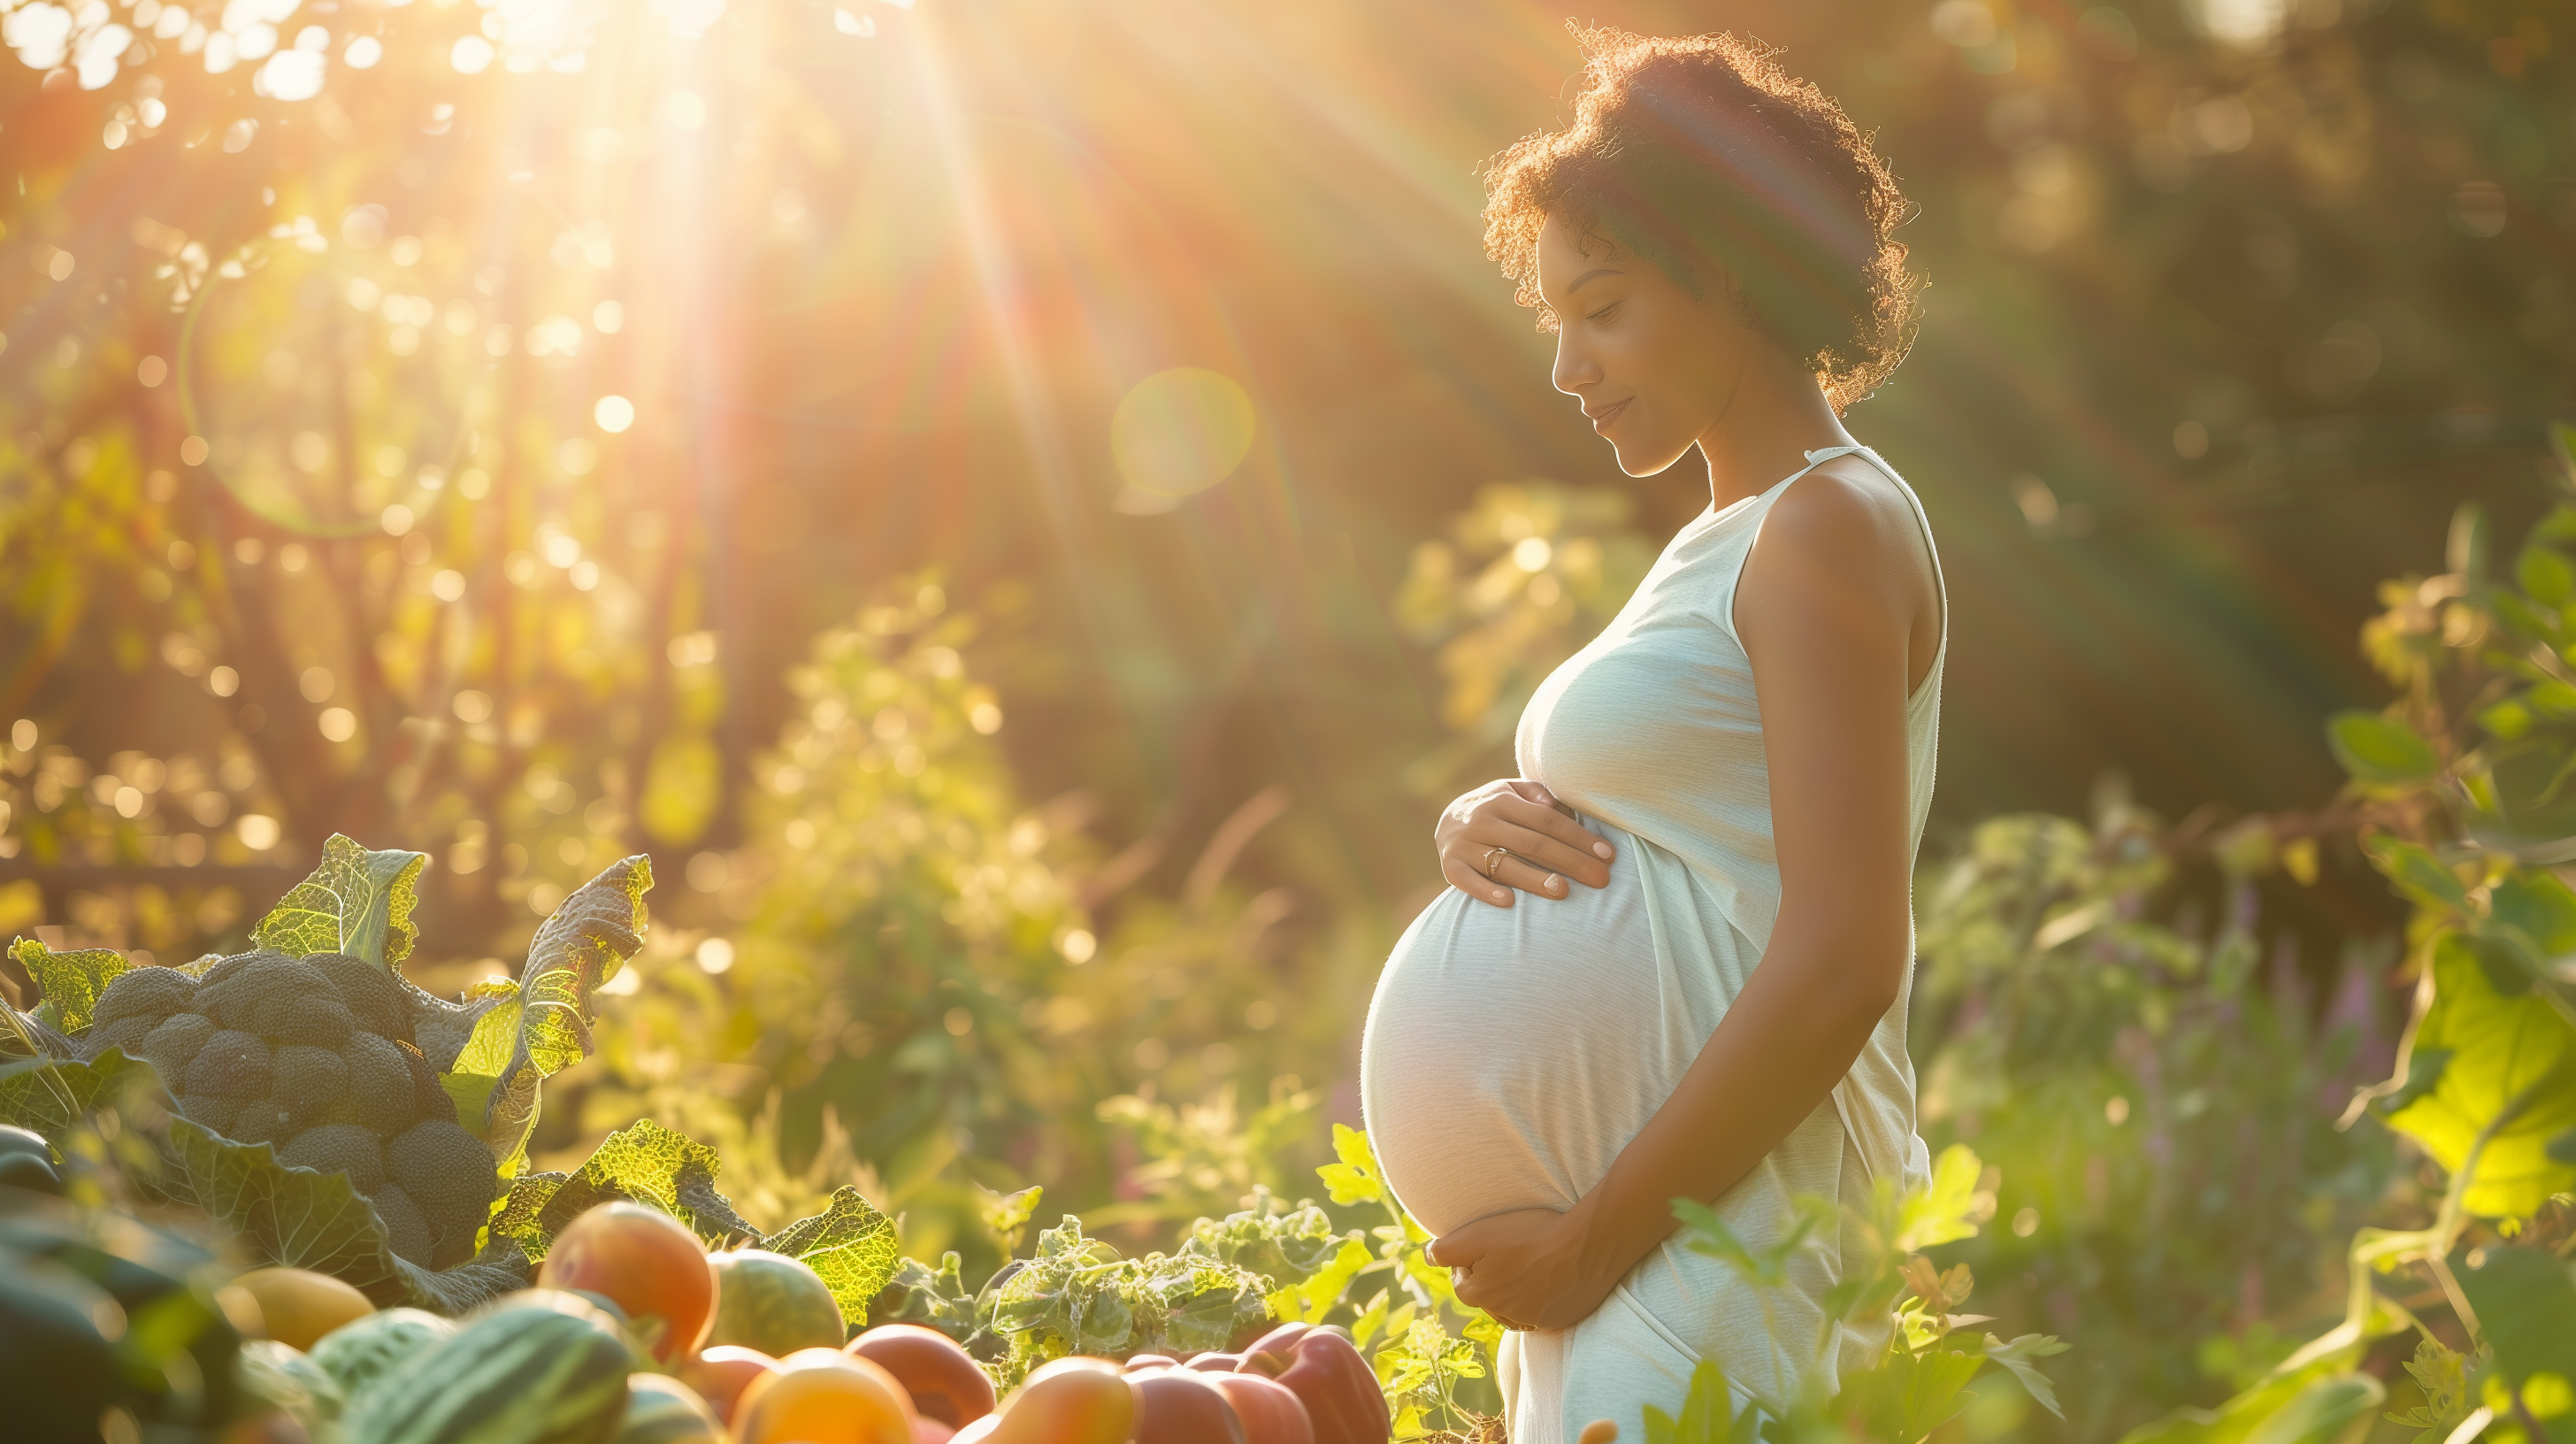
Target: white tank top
{"points": [[1653, 728]]}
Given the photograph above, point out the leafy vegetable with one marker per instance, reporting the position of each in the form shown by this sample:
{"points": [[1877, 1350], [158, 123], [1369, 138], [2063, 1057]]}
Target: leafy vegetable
{"points": [[317, 1042], [1077, 1296], [935, 1298], [71, 982], [318, 1221], [849, 1243], [52, 1096], [576, 950], [643, 1162], [356, 902]]}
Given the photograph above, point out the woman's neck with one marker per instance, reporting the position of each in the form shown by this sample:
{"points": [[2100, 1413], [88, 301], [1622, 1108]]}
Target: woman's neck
{"points": [[1777, 415]]}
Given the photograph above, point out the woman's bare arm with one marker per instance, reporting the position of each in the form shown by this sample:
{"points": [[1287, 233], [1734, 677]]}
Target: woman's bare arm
{"points": [[1828, 604]]}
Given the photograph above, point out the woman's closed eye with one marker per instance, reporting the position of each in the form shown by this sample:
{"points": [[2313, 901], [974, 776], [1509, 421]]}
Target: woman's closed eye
{"points": [[1603, 314]]}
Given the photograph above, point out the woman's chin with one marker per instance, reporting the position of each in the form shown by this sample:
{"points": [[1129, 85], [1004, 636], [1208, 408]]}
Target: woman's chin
{"points": [[1638, 461]]}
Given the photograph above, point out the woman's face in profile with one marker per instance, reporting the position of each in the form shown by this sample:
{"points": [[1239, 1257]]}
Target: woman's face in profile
{"points": [[1653, 365]]}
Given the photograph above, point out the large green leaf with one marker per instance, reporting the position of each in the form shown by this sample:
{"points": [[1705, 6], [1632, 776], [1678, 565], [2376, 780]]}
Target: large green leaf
{"points": [[2512, 1070], [71, 982], [850, 1244], [2378, 748], [576, 950], [316, 1221], [50, 1095], [357, 902], [643, 1162]]}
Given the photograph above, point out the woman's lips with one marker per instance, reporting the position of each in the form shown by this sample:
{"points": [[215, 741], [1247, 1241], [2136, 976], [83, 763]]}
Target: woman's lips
{"points": [[1606, 417]]}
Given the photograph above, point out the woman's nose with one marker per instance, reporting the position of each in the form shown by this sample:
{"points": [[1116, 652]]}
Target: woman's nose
{"points": [[1574, 369]]}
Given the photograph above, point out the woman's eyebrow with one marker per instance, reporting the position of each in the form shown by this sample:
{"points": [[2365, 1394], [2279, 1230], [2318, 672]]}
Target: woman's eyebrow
{"points": [[1587, 277]]}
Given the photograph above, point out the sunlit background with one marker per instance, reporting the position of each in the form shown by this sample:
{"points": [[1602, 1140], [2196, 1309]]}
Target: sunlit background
{"points": [[1024, 508]]}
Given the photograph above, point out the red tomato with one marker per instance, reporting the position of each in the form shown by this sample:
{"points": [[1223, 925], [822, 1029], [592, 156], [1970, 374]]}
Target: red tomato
{"points": [[1179, 1406], [1329, 1377], [1270, 1413]]}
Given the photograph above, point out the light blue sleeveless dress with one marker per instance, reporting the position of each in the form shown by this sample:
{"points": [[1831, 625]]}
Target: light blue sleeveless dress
{"points": [[1510, 1054]]}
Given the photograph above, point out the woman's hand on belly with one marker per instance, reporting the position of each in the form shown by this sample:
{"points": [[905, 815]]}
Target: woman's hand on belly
{"points": [[1533, 840], [1528, 1268]]}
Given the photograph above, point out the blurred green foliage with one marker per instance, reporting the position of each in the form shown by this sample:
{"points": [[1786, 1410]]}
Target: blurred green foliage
{"points": [[2097, 1015]]}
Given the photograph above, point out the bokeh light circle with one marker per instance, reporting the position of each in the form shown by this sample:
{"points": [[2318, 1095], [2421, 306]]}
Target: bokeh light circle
{"points": [[1181, 431]]}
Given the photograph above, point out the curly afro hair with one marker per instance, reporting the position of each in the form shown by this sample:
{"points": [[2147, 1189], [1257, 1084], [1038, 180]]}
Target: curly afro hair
{"points": [[1701, 154]]}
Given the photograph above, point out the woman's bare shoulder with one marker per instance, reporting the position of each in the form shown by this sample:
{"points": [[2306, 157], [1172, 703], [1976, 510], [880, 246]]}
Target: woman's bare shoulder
{"points": [[1845, 517]]}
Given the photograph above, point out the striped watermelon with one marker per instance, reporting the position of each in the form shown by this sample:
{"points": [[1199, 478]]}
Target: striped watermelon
{"points": [[365, 1349], [526, 1375], [662, 1410]]}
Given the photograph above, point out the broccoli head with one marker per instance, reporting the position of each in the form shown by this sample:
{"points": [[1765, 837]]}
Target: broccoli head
{"points": [[375, 1000], [261, 1120], [340, 1148], [280, 997], [450, 1174], [213, 1113], [151, 992], [427, 1094], [406, 1231], [309, 1080], [380, 1083], [225, 969], [127, 1033], [178, 1039], [231, 1065]]}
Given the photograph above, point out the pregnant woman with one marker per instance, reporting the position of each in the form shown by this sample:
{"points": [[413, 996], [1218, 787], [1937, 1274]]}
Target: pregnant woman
{"points": [[1675, 959]]}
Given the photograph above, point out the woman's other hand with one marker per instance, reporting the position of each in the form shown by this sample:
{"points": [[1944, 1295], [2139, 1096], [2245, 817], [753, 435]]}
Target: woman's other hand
{"points": [[1546, 845], [1527, 1268]]}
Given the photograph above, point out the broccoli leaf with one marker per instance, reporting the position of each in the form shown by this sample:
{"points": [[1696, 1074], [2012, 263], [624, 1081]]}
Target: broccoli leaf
{"points": [[1079, 1297], [935, 1298], [643, 1162], [49, 1095], [575, 951], [309, 1220], [71, 981], [849, 1243], [1288, 1246], [357, 902]]}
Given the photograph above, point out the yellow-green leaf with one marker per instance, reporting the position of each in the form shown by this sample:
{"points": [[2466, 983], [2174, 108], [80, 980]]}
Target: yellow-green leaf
{"points": [[356, 902], [2511, 1074], [71, 981]]}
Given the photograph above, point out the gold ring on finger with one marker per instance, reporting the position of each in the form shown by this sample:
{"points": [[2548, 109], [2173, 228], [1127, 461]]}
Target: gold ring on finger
{"points": [[1494, 860]]}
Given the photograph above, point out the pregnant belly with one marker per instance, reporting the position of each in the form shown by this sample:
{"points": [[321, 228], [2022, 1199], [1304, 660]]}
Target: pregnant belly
{"points": [[1512, 1052]]}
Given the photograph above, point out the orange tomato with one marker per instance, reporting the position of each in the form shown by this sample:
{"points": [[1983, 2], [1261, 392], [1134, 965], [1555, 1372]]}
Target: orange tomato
{"points": [[647, 1263], [823, 1396], [1070, 1401]]}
